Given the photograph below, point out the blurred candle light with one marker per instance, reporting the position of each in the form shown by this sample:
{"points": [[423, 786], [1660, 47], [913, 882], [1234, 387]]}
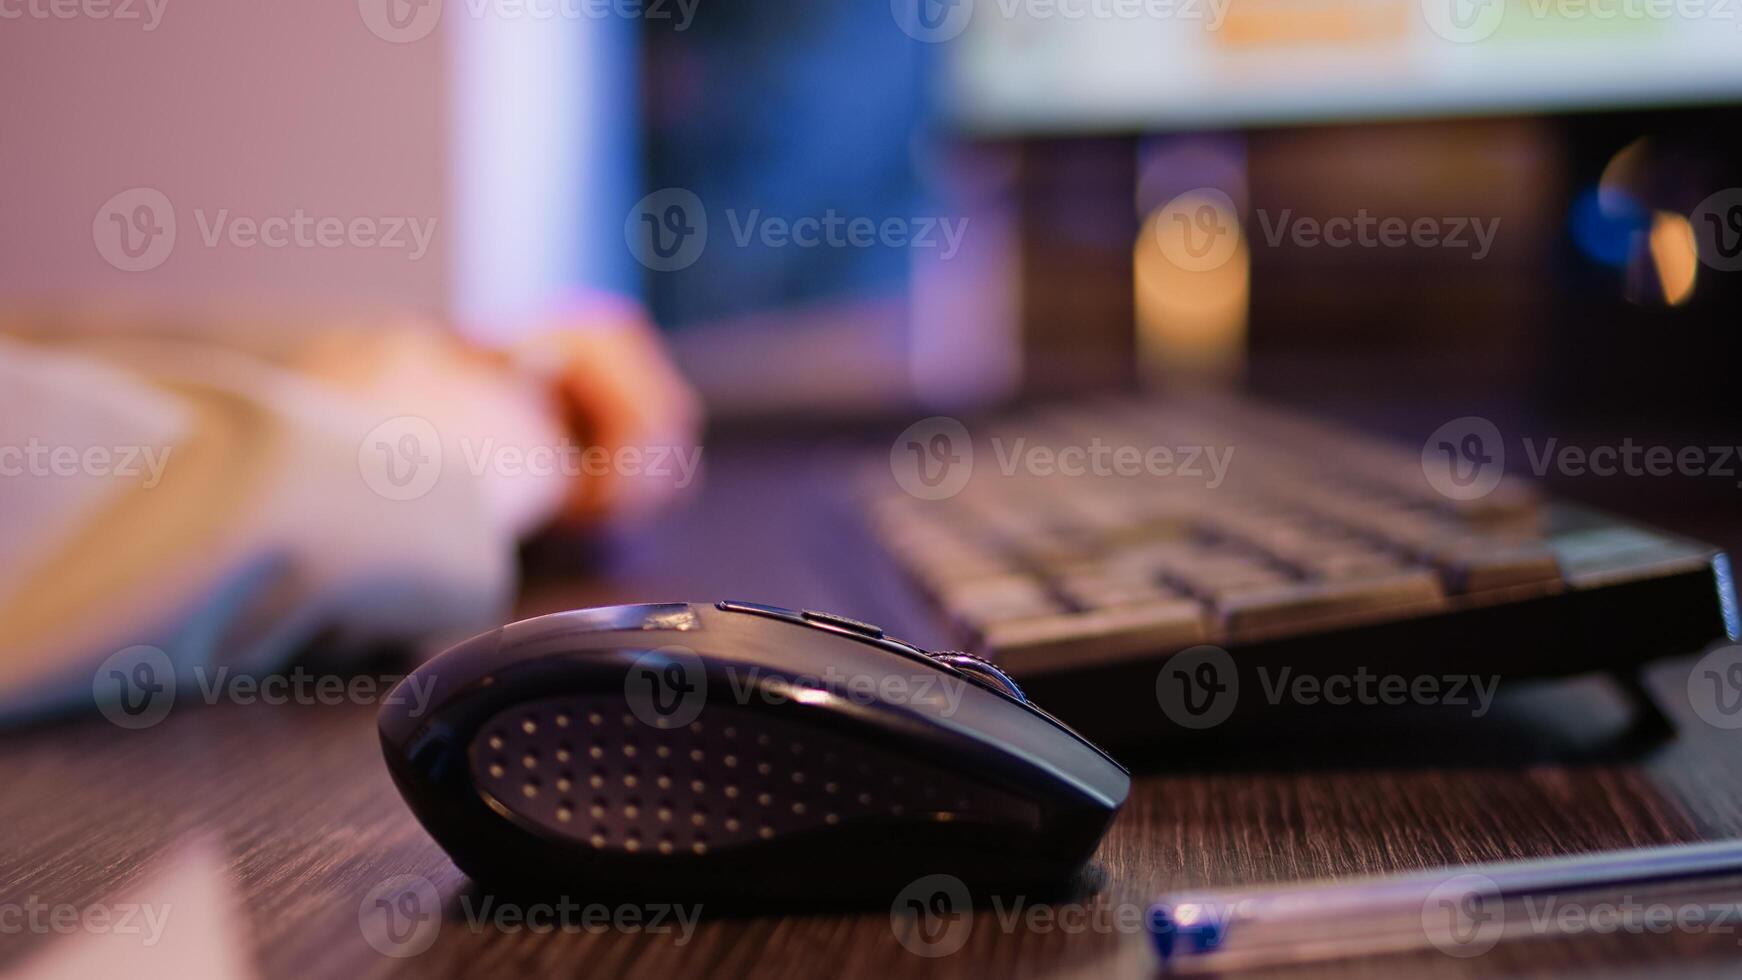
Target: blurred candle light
{"points": [[1674, 253], [1193, 283]]}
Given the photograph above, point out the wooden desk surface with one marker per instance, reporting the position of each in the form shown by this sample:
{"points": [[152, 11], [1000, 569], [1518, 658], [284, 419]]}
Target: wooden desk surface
{"points": [[261, 829]]}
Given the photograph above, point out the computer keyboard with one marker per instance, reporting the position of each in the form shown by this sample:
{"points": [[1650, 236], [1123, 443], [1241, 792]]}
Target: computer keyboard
{"points": [[1314, 545]]}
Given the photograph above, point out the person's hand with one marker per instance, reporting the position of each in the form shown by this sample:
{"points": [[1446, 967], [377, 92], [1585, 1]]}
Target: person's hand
{"points": [[624, 401], [594, 382]]}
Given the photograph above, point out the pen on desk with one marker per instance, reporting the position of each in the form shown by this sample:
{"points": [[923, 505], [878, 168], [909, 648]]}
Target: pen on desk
{"points": [[1463, 911]]}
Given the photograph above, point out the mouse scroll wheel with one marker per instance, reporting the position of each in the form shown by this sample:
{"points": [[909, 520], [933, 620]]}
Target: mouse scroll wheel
{"points": [[981, 671]]}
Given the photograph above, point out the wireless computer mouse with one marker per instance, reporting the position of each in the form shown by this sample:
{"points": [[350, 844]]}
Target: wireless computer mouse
{"points": [[738, 751]]}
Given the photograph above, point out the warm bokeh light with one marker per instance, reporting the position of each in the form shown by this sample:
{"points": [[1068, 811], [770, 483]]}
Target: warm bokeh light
{"points": [[1675, 254], [1623, 176], [1191, 315]]}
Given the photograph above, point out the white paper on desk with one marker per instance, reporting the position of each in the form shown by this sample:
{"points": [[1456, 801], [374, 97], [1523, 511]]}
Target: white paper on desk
{"points": [[182, 923]]}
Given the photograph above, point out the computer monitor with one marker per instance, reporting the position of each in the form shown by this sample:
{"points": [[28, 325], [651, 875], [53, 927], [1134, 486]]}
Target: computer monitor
{"points": [[1025, 66], [1596, 139], [1058, 129]]}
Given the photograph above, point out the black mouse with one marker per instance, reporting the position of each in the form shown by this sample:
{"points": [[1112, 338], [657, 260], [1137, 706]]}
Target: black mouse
{"points": [[738, 752]]}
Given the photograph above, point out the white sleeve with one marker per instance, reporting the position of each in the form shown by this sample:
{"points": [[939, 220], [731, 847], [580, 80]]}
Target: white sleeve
{"points": [[288, 510]]}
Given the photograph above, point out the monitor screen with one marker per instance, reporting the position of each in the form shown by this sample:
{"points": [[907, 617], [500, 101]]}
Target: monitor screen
{"points": [[1020, 66]]}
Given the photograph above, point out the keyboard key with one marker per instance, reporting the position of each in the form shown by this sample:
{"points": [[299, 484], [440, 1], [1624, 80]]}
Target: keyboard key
{"points": [[1074, 640], [1351, 563], [1306, 604], [1222, 572], [1594, 557], [1103, 589], [980, 603], [1483, 566]]}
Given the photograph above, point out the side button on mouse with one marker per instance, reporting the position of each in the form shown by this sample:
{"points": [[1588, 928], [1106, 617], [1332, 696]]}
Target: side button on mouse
{"points": [[842, 622]]}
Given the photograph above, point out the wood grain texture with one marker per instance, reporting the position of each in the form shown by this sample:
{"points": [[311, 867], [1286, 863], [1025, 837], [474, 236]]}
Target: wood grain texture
{"points": [[294, 820]]}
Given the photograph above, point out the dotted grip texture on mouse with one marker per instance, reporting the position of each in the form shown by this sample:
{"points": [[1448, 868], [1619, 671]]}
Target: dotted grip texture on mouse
{"points": [[583, 769]]}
